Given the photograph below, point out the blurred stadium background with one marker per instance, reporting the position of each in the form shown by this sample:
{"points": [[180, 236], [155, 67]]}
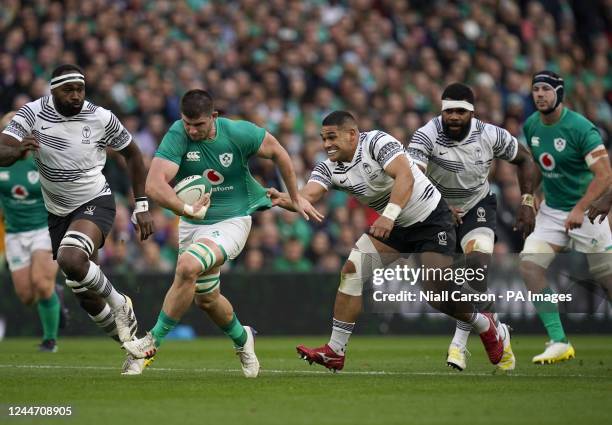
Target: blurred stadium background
{"points": [[284, 64]]}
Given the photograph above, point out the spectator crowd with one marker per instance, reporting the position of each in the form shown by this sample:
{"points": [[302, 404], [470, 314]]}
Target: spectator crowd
{"points": [[284, 64]]}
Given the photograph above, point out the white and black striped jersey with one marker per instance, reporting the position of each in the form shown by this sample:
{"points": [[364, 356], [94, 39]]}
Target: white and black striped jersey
{"points": [[365, 178], [460, 169], [72, 150]]}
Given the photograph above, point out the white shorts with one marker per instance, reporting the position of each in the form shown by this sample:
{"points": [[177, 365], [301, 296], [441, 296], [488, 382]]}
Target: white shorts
{"points": [[231, 234], [20, 246], [589, 238]]}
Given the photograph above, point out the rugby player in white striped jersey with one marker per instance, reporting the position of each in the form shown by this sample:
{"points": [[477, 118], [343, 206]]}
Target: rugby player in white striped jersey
{"points": [[70, 137], [374, 167], [456, 151]]}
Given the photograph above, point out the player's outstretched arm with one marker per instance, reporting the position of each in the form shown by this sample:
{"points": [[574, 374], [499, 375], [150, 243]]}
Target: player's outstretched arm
{"points": [[138, 176], [599, 163], [529, 178], [311, 193], [399, 170], [271, 149]]}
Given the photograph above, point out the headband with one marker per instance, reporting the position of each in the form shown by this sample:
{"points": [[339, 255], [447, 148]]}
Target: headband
{"points": [[60, 80], [457, 104]]}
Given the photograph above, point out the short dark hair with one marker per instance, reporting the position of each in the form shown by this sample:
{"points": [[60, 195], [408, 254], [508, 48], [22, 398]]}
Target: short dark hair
{"points": [[339, 118], [67, 67], [197, 102], [458, 91]]}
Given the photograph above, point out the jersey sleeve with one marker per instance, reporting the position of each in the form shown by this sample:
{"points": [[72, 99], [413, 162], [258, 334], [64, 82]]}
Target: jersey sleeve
{"points": [[247, 136], [590, 139], [321, 175], [172, 146], [505, 145], [420, 148], [115, 136], [384, 148], [22, 124]]}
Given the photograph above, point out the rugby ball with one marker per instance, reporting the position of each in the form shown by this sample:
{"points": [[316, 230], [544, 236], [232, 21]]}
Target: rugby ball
{"points": [[191, 189]]}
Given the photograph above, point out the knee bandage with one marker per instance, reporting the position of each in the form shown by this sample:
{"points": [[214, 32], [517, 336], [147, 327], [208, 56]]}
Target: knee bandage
{"points": [[365, 258], [79, 240], [478, 240], [600, 264], [205, 256], [537, 252], [207, 283]]}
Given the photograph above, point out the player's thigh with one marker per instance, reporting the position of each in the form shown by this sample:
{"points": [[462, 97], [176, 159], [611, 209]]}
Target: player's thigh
{"points": [[23, 285], [591, 237], [550, 227], [86, 227], [17, 248], [229, 235], [476, 233], [43, 272], [595, 241]]}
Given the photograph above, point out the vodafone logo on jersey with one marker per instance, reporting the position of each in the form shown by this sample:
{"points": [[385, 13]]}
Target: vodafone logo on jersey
{"points": [[547, 161], [19, 192], [213, 176]]}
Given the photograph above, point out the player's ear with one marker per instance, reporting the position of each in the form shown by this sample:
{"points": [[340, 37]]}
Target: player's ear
{"points": [[215, 114]]}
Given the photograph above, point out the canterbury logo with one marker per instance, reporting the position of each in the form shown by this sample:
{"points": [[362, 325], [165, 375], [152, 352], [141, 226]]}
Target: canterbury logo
{"points": [[193, 156]]}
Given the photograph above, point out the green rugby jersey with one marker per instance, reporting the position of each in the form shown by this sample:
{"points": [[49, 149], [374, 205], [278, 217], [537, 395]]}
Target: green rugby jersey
{"points": [[559, 150], [224, 162], [21, 197]]}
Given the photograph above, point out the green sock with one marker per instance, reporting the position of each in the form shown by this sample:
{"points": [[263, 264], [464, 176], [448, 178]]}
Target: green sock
{"points": [[49, 312], [549, 315], [163, 326], [235, 331]]}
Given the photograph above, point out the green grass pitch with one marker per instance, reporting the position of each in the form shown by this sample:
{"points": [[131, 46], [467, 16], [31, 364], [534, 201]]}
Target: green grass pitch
{"points": [[387, 380]]}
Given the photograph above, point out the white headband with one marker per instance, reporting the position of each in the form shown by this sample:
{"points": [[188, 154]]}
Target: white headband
{"points": [[457, 104], [75, 77]]}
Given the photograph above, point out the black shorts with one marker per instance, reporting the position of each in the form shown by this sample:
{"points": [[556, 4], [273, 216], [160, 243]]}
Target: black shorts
{"points": [[434, 234], [483, 214], [100, 211]]}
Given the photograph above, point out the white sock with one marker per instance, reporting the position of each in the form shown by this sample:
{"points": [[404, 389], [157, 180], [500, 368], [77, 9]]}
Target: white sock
{"points": [[480, 323], [462, 332], [97, 282], [341, 332], [106, 322]]}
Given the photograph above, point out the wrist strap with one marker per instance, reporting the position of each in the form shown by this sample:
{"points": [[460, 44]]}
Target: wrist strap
{"points": [[142, 205], [529, 200], [392, 211], [188, 210]]}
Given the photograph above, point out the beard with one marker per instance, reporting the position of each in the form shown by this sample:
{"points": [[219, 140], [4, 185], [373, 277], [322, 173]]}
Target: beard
{"points": [[67, 109], [456, 134]]}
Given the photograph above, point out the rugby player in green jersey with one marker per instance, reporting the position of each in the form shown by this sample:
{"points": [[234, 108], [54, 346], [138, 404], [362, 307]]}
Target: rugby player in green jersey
{"points": [[28, 244], [575, 172], [216, 228]]}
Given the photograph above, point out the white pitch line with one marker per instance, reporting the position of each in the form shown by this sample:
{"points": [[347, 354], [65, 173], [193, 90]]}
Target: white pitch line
{"points": [[310, 372]]}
